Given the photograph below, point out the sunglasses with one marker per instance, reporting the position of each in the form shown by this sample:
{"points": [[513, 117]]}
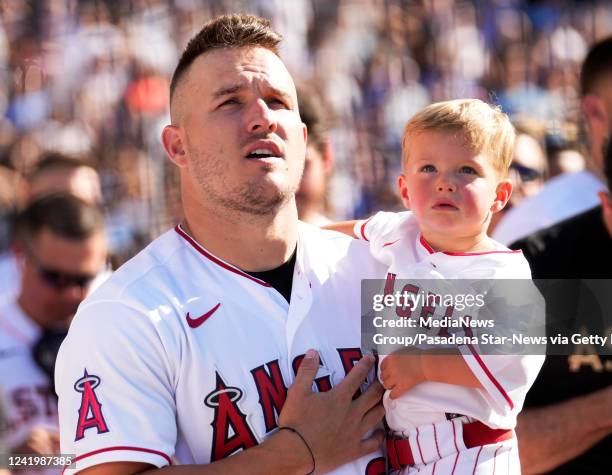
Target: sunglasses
{"points": [[526, 173], [60, 280]]}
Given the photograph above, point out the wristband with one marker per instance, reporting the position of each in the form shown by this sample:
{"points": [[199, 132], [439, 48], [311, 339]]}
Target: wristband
{"points": [[305, 443]]}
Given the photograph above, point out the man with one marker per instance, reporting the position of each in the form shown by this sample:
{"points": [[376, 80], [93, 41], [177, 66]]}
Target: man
{"points": [[54, 173], [567, 429], [310, 196], [187, 352], [61, 247]]}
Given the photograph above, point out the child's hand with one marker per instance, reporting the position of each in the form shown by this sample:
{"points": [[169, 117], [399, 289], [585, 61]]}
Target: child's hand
{"points": [[400, 371]]}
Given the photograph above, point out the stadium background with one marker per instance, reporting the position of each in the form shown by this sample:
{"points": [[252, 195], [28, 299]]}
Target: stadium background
{"points": [[90, 78]]}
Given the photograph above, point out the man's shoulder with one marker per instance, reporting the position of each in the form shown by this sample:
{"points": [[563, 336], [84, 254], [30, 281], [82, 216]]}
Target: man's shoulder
{"points": [[576, 247], [151, 268], [563, 234]]}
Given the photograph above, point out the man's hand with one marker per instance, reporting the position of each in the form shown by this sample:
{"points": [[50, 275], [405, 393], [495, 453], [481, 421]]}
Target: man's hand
{"points": [[401, 371], [40, 441], [332, 423]]}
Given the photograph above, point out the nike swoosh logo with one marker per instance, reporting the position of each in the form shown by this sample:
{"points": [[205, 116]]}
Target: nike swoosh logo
{"points": [[196, 322]]}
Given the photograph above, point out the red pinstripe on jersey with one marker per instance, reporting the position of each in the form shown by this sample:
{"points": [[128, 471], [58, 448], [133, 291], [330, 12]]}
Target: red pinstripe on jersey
{"points": [[491, 377], [121, 447]]}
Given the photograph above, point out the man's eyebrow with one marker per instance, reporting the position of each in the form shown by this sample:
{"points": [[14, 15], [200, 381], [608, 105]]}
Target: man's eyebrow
{"points": [[225, 90]]}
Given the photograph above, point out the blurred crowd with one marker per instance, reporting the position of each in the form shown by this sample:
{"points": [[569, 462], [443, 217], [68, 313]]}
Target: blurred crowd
{"points": [[89, 78]]}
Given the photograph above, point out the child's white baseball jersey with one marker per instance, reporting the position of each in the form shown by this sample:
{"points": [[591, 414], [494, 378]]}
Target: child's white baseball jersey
{"points": [[180, 355], [27, 395], [421, 414]]}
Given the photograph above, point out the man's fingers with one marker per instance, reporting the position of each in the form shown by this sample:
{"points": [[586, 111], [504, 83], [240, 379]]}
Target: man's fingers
{"points": [[372, 396], [356, 376], [372, 443], [307, 371], [372, 417]]}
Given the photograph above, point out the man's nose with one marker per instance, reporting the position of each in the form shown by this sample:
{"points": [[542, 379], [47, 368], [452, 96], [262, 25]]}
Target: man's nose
{"points": [[261, 118]]}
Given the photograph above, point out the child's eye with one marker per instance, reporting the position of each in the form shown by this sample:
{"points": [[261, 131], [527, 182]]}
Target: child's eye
{"points": [[468, 170], [428, 168]]}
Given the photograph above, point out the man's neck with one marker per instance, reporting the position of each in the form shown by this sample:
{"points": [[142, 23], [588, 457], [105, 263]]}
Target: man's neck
{"points": [[251, 243]]}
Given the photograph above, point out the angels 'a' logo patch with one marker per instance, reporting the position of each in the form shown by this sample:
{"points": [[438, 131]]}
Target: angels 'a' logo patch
{"points": [[90, 412]]}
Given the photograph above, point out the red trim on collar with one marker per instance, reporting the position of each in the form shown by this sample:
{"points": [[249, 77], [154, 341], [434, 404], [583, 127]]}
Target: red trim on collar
{"points": [[431, 250], [216, 260]]}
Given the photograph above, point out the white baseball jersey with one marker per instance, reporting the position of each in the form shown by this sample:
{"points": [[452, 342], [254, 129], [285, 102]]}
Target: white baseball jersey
{"points": [[29, 401], [395, 239], [182, 356]]}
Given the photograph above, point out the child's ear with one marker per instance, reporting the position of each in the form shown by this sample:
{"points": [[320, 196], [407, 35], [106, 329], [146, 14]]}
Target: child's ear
{"points": [[502, 195], [403, 189]]}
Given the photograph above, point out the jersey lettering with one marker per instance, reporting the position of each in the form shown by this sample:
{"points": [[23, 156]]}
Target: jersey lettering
{"points": [[228, 419], [272, 391], [350, 356], [323, 383], [376, 466], [90, 412]]}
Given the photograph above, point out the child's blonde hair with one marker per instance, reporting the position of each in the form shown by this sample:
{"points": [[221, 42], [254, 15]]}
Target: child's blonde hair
{"points": [[486, 128]]}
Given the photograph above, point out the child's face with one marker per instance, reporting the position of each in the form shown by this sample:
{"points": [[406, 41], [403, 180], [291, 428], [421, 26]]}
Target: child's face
{"points": [[451, 190]]}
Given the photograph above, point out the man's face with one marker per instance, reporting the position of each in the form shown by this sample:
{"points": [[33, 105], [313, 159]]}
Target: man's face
{"points": [[244, 142], [57, 273]]}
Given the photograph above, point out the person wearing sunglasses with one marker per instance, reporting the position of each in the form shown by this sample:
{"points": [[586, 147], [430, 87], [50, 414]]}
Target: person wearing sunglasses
{"points": [[61, 248]]}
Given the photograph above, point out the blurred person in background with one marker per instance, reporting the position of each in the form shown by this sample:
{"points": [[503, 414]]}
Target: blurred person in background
{"points": [[311, 195], [54, 173], [566, 428], [528, 168], [60, 245]]}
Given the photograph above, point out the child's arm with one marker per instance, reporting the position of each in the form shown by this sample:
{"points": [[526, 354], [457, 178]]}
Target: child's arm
{"points": [[405, 369], [346, 227]]}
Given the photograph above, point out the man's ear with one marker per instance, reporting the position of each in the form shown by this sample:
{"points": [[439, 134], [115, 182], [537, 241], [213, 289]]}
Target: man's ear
{"points": [[502, 195], [174, 145], [594, 110], [606, 210], [403, 189]]}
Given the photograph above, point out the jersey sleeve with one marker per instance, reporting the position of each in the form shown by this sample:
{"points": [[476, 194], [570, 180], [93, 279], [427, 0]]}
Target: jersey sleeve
{"points": [[504, 370], [382, 229], [115, 386]]}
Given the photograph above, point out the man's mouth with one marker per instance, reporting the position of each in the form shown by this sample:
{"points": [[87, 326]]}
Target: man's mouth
{"points": [[261, 153], [263, 149]]}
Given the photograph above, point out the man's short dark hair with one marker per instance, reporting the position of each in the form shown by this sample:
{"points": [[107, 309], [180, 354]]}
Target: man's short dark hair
{"points": [[63, 214], [226, 31], [597, 64], [313, 111]]}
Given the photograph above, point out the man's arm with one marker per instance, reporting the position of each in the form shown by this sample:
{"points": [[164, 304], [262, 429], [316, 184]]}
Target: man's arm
{"points": [[552, 435], [332, 424]]}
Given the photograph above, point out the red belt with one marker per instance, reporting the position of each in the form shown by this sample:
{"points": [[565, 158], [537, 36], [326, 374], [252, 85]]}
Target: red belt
{"points": [[475, 434]]}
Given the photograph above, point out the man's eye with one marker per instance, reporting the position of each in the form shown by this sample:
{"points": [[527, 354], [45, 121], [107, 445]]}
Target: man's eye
{"points": [[468, 170], [229, 102], [277, 103], [428, 169]]}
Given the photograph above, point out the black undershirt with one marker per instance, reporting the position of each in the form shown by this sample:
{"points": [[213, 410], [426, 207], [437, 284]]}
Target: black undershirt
{"points": [[281, 277]]}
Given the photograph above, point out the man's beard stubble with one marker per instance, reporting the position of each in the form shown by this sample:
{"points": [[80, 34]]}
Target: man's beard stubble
{"points": [[253, 198]]}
